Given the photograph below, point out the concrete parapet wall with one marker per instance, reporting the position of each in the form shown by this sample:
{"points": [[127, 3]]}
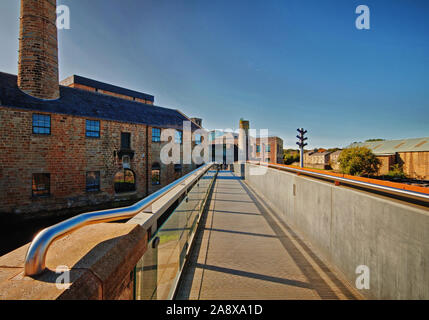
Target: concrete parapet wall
{"points": [[353, 228], [239, 169], [101, 259]]}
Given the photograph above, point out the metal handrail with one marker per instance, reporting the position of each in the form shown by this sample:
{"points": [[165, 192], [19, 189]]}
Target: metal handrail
{"points": [[36, 254], [397, 191]]}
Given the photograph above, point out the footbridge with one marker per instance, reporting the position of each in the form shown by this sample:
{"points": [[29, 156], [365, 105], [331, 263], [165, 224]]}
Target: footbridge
{"points": [[251, 232]]}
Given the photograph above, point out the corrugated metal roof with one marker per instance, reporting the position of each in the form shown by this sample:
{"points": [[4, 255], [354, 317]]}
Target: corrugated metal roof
{"points": [[392, 146], [92, 105]]}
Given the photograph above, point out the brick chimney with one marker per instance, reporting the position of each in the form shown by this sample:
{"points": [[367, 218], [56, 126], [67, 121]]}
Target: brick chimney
{"points": [[197, 121], [38, 49]]}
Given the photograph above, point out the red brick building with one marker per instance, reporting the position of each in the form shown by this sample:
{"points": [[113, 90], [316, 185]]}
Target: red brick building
{"points": [[77, 144], [68, 152], [220, 140], [273, 150]]}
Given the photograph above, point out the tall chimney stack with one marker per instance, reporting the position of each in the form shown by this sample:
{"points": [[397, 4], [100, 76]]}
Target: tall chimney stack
{"points": [[38, 49], [243, 141]]}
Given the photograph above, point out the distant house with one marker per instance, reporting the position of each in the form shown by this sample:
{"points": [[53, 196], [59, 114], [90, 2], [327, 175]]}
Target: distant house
{"points": [[318, 160], [333, 160], [411, 154], [273, 150], [271, 147], [223, 145]]}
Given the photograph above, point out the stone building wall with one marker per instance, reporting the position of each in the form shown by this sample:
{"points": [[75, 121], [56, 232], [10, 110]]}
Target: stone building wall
{"points": [[67, 155]]}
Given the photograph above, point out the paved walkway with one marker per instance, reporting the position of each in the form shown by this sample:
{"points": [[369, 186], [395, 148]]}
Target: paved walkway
{"points": [[244, 252]]}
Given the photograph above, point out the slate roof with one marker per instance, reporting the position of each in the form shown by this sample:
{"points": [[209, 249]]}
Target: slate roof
{"points": [[77, 102], [336, 153], [106, 87], [321, 154], [389, 147]]}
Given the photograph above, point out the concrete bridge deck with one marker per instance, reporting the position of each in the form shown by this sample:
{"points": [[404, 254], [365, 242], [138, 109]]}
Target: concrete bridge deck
{"points": [[244, 251]]}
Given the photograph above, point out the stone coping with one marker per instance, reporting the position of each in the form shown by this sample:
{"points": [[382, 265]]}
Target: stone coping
{"points": [[101, 259]]}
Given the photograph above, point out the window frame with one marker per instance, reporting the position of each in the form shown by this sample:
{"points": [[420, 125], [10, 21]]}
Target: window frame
{"points": [[178, 167], [123, 134], [155, 167], [124, 174], [48, 193], [198, 141], [41, 127], [98, 175], [158, 137], [92, 131], [177, 134]]}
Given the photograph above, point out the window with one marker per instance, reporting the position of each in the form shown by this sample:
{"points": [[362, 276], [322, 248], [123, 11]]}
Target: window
{"points": [[41, 124], [92, 129], [125, 140], [41, 184], [93, 181], [268, 148], [197, 139], [156, 135], [258, 148], [179, 137], [156, 174], [178, 168], [125, 181], [126, 162]]}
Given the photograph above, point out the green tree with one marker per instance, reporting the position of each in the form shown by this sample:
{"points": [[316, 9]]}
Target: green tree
{"points": [[374, 140], [358, 161], [290, 158]]}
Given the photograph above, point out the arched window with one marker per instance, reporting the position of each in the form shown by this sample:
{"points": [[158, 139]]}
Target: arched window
{"points": [[156, 174], [125, 181]]}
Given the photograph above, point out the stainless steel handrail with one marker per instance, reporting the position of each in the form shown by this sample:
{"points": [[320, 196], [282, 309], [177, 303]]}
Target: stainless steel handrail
{"points": [[397, 191], [36, 254]]}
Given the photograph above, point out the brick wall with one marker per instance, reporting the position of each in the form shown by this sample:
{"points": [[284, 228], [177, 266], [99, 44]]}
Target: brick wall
{"points": [[38, 49], [67, 154], [168, 173], [276, 152]]}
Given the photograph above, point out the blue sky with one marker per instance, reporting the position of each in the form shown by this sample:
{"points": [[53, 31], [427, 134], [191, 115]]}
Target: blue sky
{"points": [[280, 64]]}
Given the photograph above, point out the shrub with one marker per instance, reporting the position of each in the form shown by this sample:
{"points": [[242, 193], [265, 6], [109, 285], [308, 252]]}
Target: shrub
{"points": [[290, 158], [396, 172], [358, 161]]}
